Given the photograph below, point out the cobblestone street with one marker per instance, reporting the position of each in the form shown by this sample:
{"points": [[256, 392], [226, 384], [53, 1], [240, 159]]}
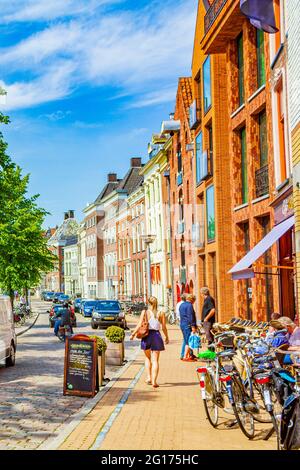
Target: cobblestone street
{"points": [[32, 405]]}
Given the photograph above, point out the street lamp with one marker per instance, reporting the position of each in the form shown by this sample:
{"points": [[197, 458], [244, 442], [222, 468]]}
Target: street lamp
{"points": [[148, 239]]}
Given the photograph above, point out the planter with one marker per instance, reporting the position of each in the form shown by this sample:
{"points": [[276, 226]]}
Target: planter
{"points": [[115, 353], [101, 368]]}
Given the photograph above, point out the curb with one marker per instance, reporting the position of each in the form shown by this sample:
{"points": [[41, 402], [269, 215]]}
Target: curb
{"points": [[55, 443], [29, 327]]}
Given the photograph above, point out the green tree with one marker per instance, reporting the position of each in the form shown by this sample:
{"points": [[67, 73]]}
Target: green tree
{"points": [[24, 255]]}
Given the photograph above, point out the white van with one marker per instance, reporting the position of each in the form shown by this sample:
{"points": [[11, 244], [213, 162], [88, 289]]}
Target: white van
{"points": [[8, 340]]}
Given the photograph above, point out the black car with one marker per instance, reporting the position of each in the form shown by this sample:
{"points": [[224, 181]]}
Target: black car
{"points": [[107, 313], [55, 313]]}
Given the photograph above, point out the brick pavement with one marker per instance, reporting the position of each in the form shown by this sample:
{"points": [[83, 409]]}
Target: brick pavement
{"points": [[167, 418], [32, 406]]}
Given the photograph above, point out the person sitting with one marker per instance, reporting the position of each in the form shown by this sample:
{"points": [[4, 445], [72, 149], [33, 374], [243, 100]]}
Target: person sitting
{"points": [[277, 334]]}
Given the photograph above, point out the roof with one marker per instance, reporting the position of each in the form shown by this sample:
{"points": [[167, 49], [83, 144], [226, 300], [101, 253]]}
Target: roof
{"points": [[67, 230], [108, 188], [72, 240], [132, 180], [185, 88]]}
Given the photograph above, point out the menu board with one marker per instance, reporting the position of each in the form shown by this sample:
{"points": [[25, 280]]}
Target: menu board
{"points": [[80, 374]]}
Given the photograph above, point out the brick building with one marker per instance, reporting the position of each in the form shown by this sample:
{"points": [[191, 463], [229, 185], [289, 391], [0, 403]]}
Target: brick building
{"points": [[94, 222], [259, 178], [212, 174], [293, 73], [131, 183], [136, 209], [182, 195]]}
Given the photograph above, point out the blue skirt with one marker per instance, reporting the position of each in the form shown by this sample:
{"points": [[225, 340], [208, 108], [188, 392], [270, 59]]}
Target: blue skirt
{"points": [[153, 341]]}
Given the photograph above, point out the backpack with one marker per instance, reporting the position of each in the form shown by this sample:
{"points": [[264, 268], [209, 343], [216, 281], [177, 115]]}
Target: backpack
{"points": [[194, 341], [290, 423], [283, 384]]}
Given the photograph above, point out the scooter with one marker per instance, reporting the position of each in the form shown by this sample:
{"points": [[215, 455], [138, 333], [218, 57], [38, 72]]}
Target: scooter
{"points": [[64, 332]]}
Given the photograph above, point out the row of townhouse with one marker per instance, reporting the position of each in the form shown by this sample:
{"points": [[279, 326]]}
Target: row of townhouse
{"points": [[217, 202]]}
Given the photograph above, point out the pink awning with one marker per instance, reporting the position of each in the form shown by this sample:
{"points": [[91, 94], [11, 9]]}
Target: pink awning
{"points": [[243, 269]]}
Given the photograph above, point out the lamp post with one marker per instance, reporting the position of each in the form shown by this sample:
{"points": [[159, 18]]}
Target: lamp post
{"points": [[121, 282], [148, 239]]}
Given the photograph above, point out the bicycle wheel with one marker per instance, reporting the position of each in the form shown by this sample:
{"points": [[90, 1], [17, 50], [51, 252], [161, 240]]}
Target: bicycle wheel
{"points": [[245, 420], [210, 407]]}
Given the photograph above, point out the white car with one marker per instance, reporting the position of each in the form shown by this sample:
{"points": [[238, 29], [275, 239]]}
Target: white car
{"points": [[8, 340]]}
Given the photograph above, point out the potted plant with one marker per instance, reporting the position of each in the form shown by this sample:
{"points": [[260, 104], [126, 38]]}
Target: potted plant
{"points": [[101, 346], [115, 347]]}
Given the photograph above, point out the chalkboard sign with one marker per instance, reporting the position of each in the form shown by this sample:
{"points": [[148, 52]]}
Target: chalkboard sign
{"points": [[81, 364]]}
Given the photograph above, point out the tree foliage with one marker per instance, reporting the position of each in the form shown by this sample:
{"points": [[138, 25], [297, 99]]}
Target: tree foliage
{"points": [[24, 255]]}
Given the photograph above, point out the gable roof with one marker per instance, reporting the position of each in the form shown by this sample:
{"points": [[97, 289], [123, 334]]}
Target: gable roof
{"points": [[132, 180], [186, 92], [108, 188]]}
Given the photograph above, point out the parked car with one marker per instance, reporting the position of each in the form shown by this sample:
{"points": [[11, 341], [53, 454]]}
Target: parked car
{"points": [[8, 340], [107, 313], [63, 298], [56, 295], [77, 304], [48, 296], [87, 307], [56, 312]]}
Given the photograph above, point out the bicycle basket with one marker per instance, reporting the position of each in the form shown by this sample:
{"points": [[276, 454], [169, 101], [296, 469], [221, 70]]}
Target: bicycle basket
{"points": [[227, 341]]}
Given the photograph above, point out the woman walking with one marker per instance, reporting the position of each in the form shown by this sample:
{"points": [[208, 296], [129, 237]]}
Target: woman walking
{"points": [[153, 343]]}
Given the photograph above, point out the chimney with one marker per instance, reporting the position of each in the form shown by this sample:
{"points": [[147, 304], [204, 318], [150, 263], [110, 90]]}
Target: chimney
{"points": [[171, 116], [135, 162], [112, 177]]}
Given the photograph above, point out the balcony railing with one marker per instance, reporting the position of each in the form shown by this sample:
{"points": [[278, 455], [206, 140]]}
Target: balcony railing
{"points": [[262, 181], [213, 13]]}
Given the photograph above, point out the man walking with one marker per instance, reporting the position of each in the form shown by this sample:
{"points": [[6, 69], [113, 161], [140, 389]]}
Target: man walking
{"points": [[187, 321], [208, 313]]}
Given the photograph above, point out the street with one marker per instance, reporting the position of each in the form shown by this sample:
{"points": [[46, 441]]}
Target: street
{"points": [[32, 405]]}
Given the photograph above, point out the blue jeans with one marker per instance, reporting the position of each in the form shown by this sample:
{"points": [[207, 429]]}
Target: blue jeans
{"points": [[56, 326], [186, 331]]}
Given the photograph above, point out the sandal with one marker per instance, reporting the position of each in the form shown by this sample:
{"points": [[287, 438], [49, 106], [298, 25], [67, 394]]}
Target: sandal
{"points": [[155, 385], [148, 382]]}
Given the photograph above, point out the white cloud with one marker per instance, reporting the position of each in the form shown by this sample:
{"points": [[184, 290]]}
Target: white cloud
{"points": [[87, 125], [139, 53], [41, 10], [56, 116]]}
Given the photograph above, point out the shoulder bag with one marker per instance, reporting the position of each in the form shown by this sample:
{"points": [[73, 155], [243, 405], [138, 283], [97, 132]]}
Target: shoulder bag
{"points": [[143, 330]]}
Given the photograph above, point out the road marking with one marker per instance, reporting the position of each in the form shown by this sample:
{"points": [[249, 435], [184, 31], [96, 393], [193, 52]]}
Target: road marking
{"points": [[107, 426]]}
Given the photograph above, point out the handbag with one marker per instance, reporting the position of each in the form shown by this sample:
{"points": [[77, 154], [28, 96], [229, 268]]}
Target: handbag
{"points": [[143, 330]]}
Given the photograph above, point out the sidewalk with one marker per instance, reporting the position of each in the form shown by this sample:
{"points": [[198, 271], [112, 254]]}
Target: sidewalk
{"points": [[37, 307], [136, 416]]}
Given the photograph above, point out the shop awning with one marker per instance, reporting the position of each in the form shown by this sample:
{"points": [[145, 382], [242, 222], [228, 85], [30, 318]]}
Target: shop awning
{"points": [[243, 269]]}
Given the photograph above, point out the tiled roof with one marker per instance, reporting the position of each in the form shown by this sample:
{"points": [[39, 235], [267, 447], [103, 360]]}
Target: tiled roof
{"points": [[108, 188], [132, 180], [185, 87]]}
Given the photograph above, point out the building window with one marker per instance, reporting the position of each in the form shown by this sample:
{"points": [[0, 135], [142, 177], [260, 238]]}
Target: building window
{"points": [[281, 135], [211, 148], [241, 69], [199, 155], [210, 214], [206, 85], [263, 141], [260, 54], [244, 168]]}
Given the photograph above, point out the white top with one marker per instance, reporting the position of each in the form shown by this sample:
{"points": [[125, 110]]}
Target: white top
{"points": [[154, 323], [177, 308]]}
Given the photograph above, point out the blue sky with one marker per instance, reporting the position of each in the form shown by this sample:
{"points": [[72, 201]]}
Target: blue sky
{"points": [[88, 82]]}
